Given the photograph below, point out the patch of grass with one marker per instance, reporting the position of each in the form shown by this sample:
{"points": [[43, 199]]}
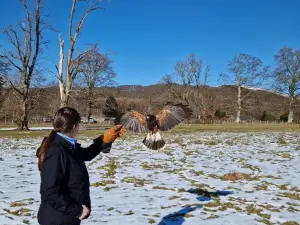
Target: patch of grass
{"points": [[211, 142], [107, 189], [261, 187], [251, 209], [173, 197], [163, 188], [238, 176], [213, 204], [237, 128], [173, 171], [167, 207], [210, 210], [20, 212], [292, 204], [150, 167], [281, 141], [270, 208], [110, 209], [292, 209], [136, 181], [151, 221], [129, 213], [233, 188], [264, 215], [290, 223], [198, 173], [285, 155], [265, 221], [26, 221], [181, 190], [251, 167], [17, 204], [212, 216], [283, 187], [290, 195], [229, 205], [182, 128], [295, 189], [103, 183], [188, 216], [110, 168], [271, 176]]}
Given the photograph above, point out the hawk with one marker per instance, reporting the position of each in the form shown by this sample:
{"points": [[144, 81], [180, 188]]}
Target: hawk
{"points": [[166, 119]]}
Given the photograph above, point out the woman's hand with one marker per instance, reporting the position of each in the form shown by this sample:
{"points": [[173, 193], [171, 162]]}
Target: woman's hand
{"points": [[113, 133], [85, 212]]}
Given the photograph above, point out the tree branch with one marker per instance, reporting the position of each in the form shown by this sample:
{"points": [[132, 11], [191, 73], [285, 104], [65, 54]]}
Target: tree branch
{"points": [[15, 88], [71, 18], [247, 94], [16, 44], [28, 42], [11, 62], [91, 8], [37, 38]]}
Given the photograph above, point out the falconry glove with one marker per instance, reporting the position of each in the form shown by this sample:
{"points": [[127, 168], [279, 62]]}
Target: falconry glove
{"points": [[113, 133]]}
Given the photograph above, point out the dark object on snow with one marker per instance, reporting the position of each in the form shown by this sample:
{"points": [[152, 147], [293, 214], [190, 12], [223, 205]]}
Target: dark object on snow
{"points": [[65, 181]]}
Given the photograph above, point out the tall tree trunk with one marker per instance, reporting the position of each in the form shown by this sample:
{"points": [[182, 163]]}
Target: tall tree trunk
{"points": [[63, 102], [24, 118], [292, 99], [89, 103], [291, 109], [62, 90], [239, 107]]}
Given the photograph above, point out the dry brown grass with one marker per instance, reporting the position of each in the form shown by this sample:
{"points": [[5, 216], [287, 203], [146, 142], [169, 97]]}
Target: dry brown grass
{"points": [[238, 176]]}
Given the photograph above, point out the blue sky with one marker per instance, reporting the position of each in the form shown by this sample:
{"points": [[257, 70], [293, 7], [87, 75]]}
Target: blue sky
{"points": [[147, 37]]}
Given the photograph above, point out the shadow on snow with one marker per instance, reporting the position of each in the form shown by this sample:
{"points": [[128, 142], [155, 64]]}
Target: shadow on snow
{"points": [[178, 218]]}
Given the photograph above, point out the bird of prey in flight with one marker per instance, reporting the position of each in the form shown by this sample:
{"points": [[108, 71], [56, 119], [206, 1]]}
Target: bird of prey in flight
{"points": [[165, 120]]}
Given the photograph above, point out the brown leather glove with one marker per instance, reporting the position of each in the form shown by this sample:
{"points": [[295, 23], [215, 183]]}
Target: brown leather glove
{"points": [[113, 133]]}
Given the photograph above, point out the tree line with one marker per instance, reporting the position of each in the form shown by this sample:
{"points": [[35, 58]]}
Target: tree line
{"points": [[80, 74]]}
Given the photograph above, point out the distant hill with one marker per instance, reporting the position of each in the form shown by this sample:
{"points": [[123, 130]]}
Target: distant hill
{"points": [[140, 97]]}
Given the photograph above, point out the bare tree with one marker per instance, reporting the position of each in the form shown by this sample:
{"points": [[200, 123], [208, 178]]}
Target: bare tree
{"points": [[194, 78], [167, 79], [95, 70], [287, 76], [245, 71], [3, 71], [21, 57], [66, 79]]}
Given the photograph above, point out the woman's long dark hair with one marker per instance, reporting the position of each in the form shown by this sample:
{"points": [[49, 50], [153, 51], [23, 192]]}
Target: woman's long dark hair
{"points": [[64, 120]]}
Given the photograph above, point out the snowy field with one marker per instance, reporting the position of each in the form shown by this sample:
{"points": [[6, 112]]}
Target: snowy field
{"points": [[200, 178]]}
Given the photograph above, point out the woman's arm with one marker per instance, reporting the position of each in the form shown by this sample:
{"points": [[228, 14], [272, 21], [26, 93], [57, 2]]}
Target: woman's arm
{"points": [[54, 173], [89, 153], [101, 144]]}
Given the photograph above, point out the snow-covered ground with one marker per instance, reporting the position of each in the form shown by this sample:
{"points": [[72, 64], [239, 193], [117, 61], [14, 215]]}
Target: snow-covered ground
{"points": [[31, 128], [200, 178]]}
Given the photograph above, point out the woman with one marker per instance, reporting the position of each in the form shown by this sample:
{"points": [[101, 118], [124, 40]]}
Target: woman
{"points": [[65, 194]]}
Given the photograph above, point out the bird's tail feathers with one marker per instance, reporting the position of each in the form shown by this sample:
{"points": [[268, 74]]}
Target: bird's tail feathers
{"points": [[154, 141]]}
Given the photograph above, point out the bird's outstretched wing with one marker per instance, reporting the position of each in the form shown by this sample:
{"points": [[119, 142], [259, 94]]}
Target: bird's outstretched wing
{"points": [[171, 116], [134, 122]]}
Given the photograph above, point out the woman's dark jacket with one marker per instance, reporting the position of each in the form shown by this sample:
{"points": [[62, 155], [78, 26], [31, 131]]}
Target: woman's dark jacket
{"points": [[65, 181]]}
